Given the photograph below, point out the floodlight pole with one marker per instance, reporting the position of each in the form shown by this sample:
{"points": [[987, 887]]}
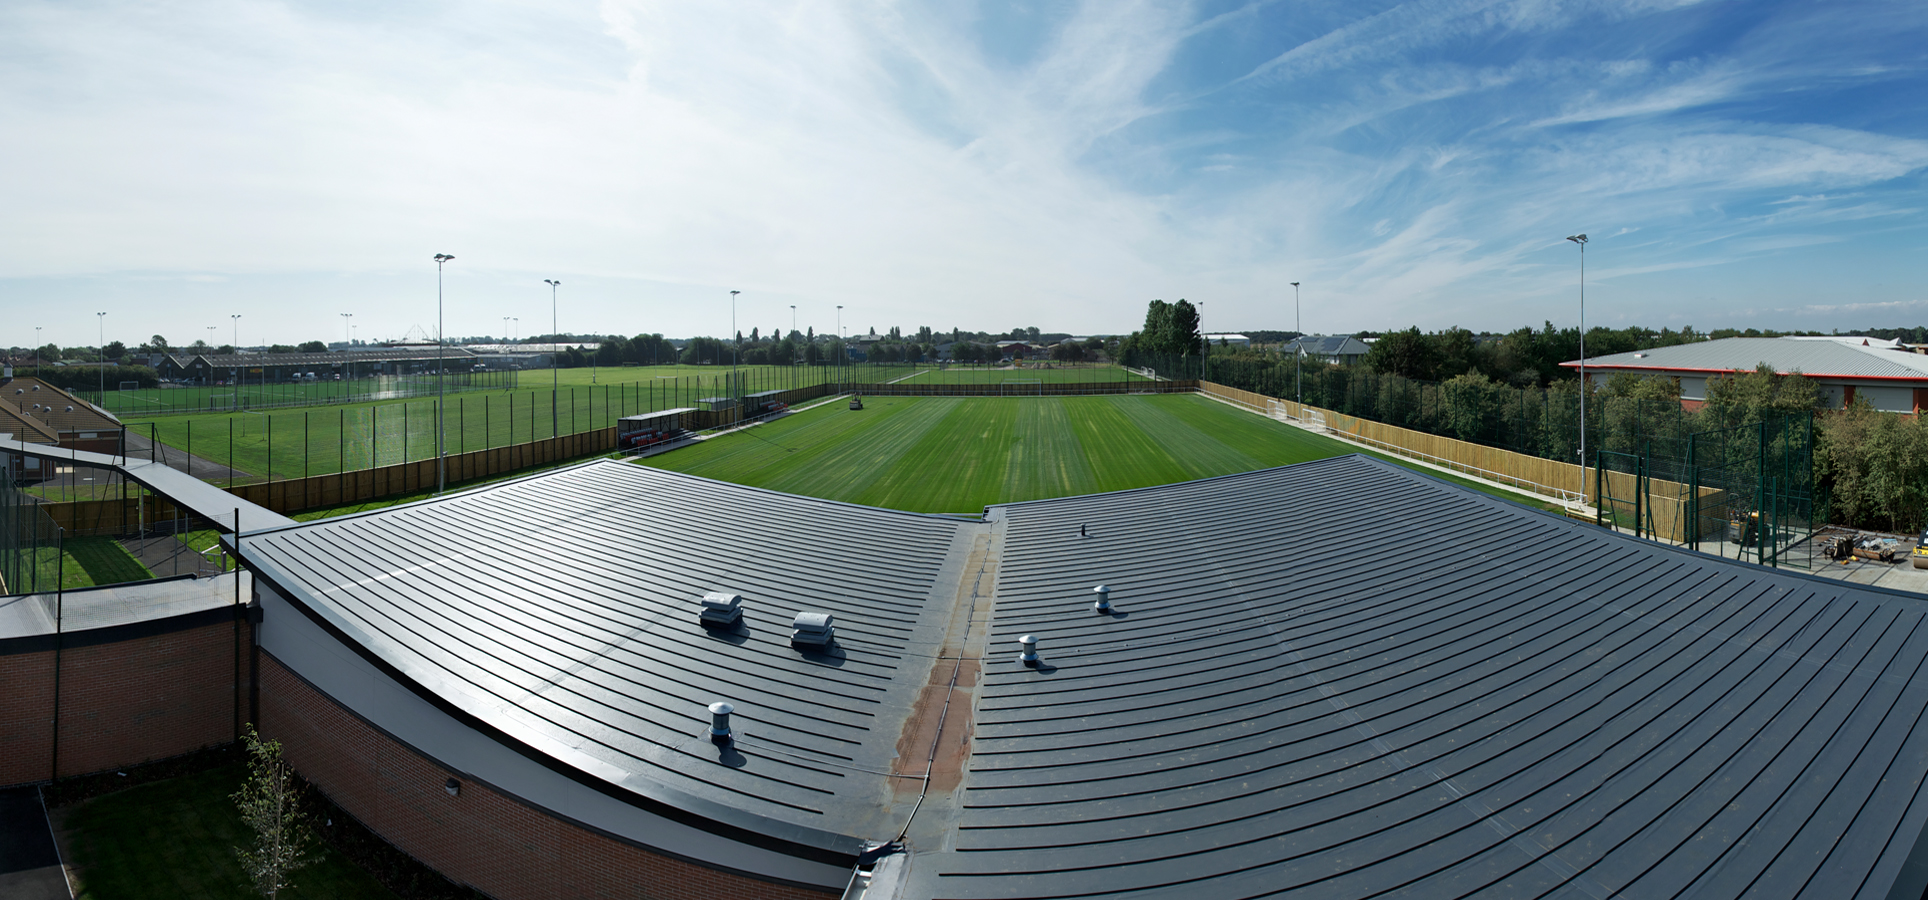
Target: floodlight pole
{"points": [[441, 385], [736, 389], [100, 319], [344, 330], [238, 378], [1298, 352], [843, 353], [1581, 239], [555, 358]]}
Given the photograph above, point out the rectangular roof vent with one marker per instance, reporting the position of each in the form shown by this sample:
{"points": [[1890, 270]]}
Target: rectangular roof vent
{"points": [[721, 608], [813, 628]]}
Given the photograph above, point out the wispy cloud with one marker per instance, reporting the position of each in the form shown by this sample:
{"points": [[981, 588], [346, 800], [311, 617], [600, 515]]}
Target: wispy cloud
{"points": [[949, 164]]}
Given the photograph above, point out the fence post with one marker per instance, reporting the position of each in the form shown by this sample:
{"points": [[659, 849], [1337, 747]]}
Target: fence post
{"points": [[1693, 497]]}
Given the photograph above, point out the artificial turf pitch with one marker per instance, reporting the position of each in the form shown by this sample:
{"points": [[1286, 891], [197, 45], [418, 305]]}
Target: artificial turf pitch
{"points": [[957, 455]]}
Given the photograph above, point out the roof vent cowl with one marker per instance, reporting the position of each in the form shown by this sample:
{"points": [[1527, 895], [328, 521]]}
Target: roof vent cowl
{"points": [[813, 629], [720, 608]]}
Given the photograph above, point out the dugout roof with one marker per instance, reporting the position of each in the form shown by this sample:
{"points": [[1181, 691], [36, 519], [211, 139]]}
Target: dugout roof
{"points": [[1335, 679]]}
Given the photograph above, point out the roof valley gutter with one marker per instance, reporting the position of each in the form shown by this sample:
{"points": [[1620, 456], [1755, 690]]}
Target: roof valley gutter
{"points": [[930, 760]]}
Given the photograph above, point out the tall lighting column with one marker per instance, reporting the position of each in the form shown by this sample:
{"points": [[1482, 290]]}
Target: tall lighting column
{"points": [[1298, 352], [843, 353], [100, 319], [736, 388], [555, 358], [237, 356], [347, 374], [1581, 239], [793, 330], [441, 386]]}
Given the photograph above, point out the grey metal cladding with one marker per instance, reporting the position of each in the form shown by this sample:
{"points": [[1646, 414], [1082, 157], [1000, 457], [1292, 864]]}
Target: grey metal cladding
{"points": [[1785, 355], [558, 609], [1343, 679]]}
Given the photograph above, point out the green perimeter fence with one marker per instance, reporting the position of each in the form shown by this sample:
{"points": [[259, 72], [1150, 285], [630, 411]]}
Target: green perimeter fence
{"points": [[1743, 491], [139, 402], [30, 542], [252, 447], [255, 447]]}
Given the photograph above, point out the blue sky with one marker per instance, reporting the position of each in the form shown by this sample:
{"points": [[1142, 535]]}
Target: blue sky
{"points": [[954, 164]]}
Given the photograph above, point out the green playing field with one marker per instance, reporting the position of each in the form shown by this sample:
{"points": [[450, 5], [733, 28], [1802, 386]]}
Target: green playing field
{"points": [[959, 455]]}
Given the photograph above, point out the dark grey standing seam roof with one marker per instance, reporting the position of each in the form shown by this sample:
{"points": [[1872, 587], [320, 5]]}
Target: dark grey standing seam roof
{"points": [[559, 612], [1342, 679]]}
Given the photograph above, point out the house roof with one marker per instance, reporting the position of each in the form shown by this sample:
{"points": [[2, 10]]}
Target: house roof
{"points": [[56, 409], [1329, 345], [1815, 358], [395, 354], [1602, 715]]}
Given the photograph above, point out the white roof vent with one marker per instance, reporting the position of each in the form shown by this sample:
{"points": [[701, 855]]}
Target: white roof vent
{"points": [[720, 609], [720, 722], [1104, 599], [813, 629]]}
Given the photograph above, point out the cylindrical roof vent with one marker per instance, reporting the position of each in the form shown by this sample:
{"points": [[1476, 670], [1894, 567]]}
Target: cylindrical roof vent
{"points": [[1030, 655], [720, 722], [1104, 599]]}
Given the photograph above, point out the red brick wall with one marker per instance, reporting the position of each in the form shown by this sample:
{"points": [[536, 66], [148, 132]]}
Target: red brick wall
{"points": [[480, 838], [26, 717], [121, 703]]}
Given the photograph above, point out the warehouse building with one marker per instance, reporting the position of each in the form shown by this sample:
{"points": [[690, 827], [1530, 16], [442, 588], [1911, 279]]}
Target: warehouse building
{"points": [[522, 686], [1885, 374]]}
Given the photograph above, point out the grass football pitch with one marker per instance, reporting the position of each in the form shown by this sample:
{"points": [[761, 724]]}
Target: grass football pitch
{"points": [[959, 455]]}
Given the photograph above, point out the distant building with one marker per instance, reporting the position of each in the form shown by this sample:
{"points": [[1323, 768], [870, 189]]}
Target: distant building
{"points": [[1883, 373], [1230, 340], [1332, 349], [36, 412], [270, 368]]}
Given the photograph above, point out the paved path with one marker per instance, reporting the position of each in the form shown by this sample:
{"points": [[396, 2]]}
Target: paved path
{"points": [[29, 863], [205, 469]]}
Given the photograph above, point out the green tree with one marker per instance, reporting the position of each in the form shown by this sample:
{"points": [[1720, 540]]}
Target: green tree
{"points": [[1407, 354], [1749, 397], [1874, 466], [269, 803], [308, 346], [113, 352]]}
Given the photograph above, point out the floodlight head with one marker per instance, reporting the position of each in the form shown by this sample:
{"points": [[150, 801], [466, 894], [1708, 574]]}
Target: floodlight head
{"points": [[1577, 238], [552, 282], [1295, 284], [734, 293], [443, 257]]}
